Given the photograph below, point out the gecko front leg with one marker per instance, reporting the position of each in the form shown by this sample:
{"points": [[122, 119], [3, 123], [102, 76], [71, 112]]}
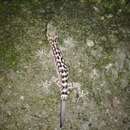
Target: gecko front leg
{"points": [[57, 82]]}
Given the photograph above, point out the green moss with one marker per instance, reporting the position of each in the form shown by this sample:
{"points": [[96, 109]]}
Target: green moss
{"points": [[9, 57]]}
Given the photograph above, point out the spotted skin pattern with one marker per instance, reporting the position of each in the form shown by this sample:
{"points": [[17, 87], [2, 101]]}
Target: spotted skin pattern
{"points": [[62, 71], [61, 67]]}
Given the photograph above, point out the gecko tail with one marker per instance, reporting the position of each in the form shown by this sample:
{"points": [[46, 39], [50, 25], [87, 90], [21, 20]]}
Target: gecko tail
{"points": [[62, 113]]}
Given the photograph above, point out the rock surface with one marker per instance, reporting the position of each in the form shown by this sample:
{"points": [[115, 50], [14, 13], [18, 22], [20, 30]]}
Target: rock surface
{"points": [[94, 37]]}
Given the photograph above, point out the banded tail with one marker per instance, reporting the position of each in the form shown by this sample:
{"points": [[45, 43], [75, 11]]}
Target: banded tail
{"points": [[62, 113]]}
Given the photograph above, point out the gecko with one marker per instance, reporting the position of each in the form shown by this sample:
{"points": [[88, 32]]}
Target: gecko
{"points": [[63, 74]]}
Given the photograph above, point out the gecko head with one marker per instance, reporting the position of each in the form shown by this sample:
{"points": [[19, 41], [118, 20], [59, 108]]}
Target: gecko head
{"points": [[51, 32], [52, 37]]}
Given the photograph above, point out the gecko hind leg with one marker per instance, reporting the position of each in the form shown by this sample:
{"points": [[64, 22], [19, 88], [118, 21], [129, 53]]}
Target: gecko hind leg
{"points": [[77, 90]]}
